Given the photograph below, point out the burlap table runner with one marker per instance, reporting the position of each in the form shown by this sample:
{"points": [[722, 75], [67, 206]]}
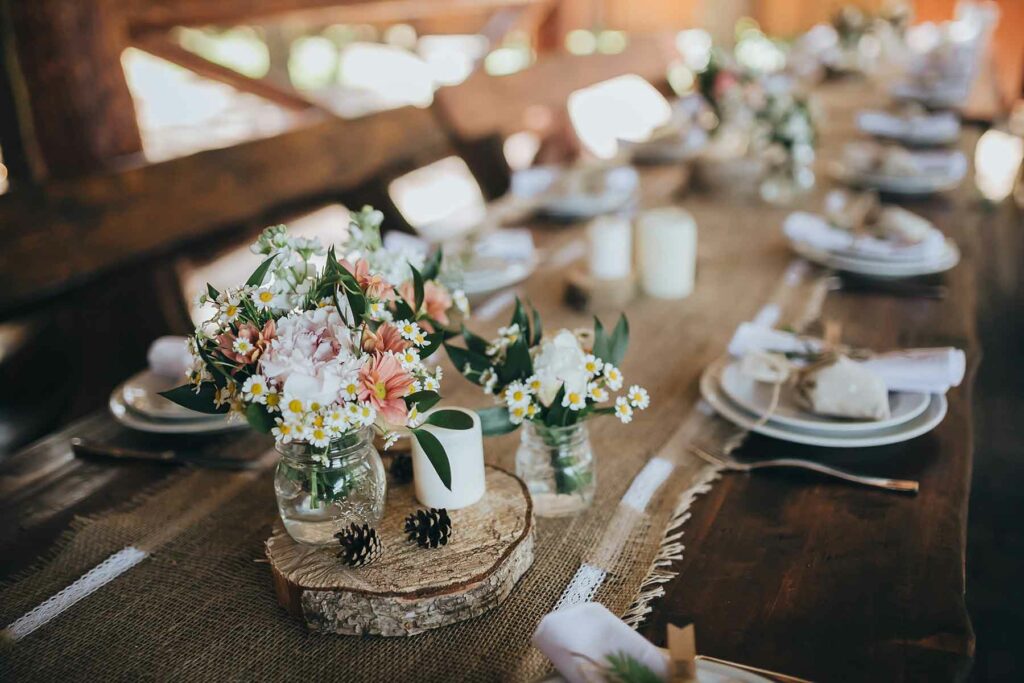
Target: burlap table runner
{"points": [[198, 603]]}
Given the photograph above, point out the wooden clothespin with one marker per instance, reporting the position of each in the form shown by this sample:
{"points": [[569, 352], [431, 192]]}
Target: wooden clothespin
{"points": [[682, 652]]}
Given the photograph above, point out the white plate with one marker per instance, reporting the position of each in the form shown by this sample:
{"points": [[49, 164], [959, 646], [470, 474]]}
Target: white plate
{"points": [[711, 390], [714, 672], [757, 397], [621, 185], [203, 424], [141, 394], [486, 275], [886, 269], [666, 151], [891, 127], [894, 184]]}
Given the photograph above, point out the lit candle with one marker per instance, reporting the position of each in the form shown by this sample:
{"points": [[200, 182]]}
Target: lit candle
{"points": [[611, 247], [667, 247], [465, 449]]}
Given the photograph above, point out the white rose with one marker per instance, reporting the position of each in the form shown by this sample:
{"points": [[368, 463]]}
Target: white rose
{"points": [[560, 361]]}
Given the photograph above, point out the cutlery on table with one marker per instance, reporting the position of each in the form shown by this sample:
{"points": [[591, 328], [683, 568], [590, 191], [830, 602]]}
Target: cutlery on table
{"points": [[728, 463], [90, 449]]}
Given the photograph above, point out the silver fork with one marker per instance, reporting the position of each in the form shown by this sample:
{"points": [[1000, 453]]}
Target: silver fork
{"points": [[727, 463]]}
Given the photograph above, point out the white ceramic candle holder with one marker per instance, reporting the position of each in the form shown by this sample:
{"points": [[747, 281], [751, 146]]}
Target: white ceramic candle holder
{"points": [[465, 449]]}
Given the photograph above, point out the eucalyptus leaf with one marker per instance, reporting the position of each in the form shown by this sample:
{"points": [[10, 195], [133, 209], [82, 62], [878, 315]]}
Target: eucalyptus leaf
{"points": [[462, 357], [258, 418], [423, 400], [474, 342], [258, 275], [619, 341], [186, 397], [537, 330], [495, 421], [450, 419], [434, 451], [602, 344], [432, 268]]}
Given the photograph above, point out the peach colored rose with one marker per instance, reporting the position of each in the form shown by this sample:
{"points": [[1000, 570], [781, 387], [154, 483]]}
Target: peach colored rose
{"points": [[436, 301]]}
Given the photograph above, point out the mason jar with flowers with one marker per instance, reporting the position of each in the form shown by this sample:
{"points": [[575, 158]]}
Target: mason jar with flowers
{"points": [[551, 386], [323, 359]]}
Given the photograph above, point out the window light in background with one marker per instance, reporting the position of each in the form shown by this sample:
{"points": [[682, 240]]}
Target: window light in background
{"points": [[394, 75], [520, 149], [313, 62], [694, 45], [441, 200], [241, 48], [997, 159], [622, 108], [451, 58]]}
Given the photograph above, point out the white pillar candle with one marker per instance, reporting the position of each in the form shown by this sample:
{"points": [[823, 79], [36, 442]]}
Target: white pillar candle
{"points": [[611, 247], [465, 449], [667, 247]]}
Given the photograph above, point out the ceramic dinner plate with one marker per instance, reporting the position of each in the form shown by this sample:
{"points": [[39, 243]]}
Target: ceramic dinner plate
{"points": [[620, 188], [199, 423], [711, 390], [756, 397], [141, 394], [879, 268], [489, 274], [894, 184]]}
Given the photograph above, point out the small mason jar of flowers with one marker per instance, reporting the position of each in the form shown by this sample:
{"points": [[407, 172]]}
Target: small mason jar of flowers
{"points": [[325, 359], [551, 386]]}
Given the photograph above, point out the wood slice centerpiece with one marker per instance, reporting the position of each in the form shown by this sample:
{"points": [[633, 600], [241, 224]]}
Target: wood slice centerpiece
{"points": [[412, 589]]}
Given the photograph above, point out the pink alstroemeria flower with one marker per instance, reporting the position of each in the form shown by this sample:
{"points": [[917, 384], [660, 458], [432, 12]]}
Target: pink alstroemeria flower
{"points": [[386, 338], [436, 301], [383, 382]]}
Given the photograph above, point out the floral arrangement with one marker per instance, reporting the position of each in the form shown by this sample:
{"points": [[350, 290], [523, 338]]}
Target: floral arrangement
{"points": [[316, 355], [786, 128], [557, 381]]}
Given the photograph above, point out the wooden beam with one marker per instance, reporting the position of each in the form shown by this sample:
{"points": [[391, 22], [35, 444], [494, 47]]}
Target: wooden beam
{"points": [[485, 105], [146, 16], [278, 93], [69, 57], [69, 231]]}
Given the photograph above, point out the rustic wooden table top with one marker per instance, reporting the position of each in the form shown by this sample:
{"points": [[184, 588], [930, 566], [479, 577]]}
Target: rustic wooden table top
{"points": [[783, 570]]}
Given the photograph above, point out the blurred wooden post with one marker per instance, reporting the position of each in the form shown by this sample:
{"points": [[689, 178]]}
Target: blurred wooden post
{"points": [[69, 58]]}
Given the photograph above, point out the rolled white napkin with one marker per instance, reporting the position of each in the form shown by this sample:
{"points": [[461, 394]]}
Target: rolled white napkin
{"points": [[933, 371], [589, 629], [169, 357], [816, 232]]}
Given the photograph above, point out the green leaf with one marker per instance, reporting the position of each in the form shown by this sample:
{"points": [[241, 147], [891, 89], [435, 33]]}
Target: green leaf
{"points": [[622, 668], [462, 357], [256, 279], [518, 364], [536, 331], [434, 341], [495, 421], [417, 289], [519, 318], [450, 419], [258, 417], [202, 402], [432, 268], [619, 341], [354, 294], [211, 291], [423, 400], [556, 412], [474, 342], [434, 451], [602, 344]]}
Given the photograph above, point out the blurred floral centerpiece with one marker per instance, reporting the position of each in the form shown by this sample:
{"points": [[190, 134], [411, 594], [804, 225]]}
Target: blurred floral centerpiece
{"points": [[552, 386], [787, 137], [324, 358]]}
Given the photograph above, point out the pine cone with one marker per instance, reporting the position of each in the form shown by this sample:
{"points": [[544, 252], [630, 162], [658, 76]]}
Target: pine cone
{"points": [[429, 528], [360, 545], [401, 468]]}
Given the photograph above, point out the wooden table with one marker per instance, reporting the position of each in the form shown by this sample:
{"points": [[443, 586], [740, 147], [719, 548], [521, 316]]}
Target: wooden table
{"points": [[782, 570]]}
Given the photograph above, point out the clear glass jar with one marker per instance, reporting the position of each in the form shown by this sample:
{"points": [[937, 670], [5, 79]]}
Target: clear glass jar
{"points": [[794, 177], [321, 491], [557, 464]]}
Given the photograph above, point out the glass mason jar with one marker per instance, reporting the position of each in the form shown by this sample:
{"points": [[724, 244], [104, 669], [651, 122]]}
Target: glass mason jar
{"points": [[557, 464], [786, 181], [321, 491]]}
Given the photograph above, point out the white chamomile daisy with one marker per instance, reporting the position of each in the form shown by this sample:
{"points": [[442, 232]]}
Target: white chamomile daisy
{"points": [[255, 389], [409, 358], [408, 329], [414, 387], [461, 301], [319, 436], [487, 380], [419, 339], [622, 410], [516, 395], [350, 389], [431, 384], [510, 333], [325, 302], [415, 419], [293, 408], [283, 431], [597, 392], [378, 311], [574, 400], [335, 417], [273, 399], [242, 346], [367, 414], [533, 384], [638, 397], [532, 410], [263, 298], [612, 376], [229, 309], [517, 414], [390, 438], [592, 364]]}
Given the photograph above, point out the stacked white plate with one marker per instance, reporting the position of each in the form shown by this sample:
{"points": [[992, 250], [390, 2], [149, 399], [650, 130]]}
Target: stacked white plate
{"points": [[940, 128], [619, 190], [852, 262], [942, 171], [743, 402], [137, 404]]}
